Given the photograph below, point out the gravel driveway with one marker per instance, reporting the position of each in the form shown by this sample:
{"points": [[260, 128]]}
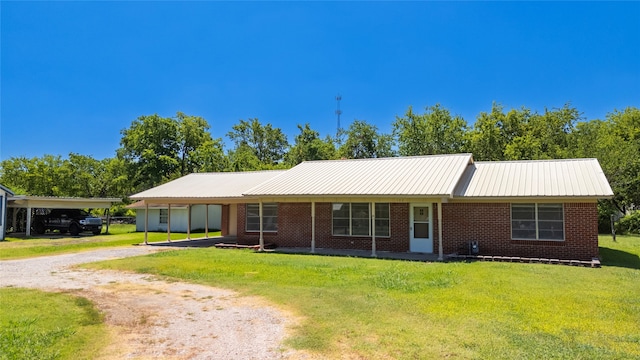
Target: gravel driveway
{"points": [[151, 318]]}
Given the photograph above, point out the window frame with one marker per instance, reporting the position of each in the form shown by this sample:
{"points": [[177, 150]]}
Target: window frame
{"points": [[163, 214], [272, 206], [350, 218], [536, 222]]}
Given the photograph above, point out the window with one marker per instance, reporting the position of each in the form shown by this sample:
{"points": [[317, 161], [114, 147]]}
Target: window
{"points": [[354, 219], [164, 216], [269, 217], [537, 222]]}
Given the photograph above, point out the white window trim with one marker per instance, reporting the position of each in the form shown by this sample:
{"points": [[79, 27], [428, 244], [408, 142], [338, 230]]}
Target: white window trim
{"points": [[537, 238], [160, 216], [246, 214], [370, 221]]}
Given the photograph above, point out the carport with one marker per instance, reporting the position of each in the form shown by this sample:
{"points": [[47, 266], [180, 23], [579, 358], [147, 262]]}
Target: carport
{"points": [[29, 203]]}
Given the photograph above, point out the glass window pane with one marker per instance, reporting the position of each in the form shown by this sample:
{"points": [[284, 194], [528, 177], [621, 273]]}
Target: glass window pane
{"points": [[523, 229], [421, 213], [550, 212], [340, 210], [360, 211], [551, 230], [523, 212], [360, 227], [382, 227], [341, 226], [421, 230], [382, 211]]}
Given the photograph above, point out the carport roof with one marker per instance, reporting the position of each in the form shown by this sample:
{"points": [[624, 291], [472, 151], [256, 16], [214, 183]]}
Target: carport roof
{"points": [[52, 202], [206, 187]]}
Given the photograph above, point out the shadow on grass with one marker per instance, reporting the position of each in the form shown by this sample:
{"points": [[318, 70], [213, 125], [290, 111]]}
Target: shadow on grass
{"points": [[613, 257]]}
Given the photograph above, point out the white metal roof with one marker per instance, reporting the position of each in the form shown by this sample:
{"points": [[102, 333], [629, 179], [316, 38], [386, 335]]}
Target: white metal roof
{"points": [[54, 202], [435, 175], [534, 178], [208, 185]]}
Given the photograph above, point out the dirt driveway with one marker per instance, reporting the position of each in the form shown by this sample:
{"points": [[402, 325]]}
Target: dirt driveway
{"points": [[150, 318]]}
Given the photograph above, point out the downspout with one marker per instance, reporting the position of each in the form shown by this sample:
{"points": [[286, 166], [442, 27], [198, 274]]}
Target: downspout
{"points": [[146, 223], [313, 227], [169, 223], [188, 221], [373, 229], [206, 221], [261, 228], [440, 251]]}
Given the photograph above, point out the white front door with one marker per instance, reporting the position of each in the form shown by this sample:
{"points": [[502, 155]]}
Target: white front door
{"points": [[421, 237]]}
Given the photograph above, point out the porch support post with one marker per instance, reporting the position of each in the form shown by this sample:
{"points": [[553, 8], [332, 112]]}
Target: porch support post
{"points": [[146, 223], [440, 252], [188, 221], [206, 221], [169, 224], [373, 229], [14, 223], [313, 227], [28, 229], [108, 220], [261, 228]]}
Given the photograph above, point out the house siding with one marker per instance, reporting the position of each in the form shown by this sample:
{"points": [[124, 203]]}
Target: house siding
{"points": [[487, 223]]}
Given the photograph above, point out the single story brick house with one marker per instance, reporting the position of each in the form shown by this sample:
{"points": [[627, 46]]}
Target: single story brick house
{"points": [[4, 194], [428, 204]]}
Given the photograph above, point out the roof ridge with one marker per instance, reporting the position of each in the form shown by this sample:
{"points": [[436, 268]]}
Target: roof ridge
{"points": [[391, 158], [530, 161]]}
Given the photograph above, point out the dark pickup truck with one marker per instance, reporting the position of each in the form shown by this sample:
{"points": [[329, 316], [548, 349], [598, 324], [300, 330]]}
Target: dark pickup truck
{"points": [[73, 221]]}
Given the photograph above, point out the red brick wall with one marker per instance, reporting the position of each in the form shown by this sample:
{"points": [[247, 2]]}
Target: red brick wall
{"points": [[487, 223], [294, 229], [490, 225]]}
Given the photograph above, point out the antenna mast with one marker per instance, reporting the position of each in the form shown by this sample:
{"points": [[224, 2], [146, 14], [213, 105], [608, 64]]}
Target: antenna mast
{"points": [[338, 113]]}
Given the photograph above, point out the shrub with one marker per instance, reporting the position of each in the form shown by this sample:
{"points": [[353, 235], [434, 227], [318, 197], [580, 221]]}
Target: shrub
{"points": [[629, 224]]}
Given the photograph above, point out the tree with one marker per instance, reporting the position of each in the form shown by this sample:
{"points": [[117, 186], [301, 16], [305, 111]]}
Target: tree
{"points": [[150, 148], [363, 141], [434, 132], [309, 146], [267, 143], [486, 141], [195, 144], [615, 142]]}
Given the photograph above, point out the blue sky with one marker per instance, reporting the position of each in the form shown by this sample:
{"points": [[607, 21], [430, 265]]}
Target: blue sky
{"points": [[73, 74]]}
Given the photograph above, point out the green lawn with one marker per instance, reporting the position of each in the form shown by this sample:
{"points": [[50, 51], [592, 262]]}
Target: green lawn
{"points": [[367, 308], [119, 235], [40, 325]]}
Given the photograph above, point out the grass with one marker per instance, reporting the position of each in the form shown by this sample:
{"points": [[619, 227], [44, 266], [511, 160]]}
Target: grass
{"points": [[41, 325], [367, 308], [119, 235]]}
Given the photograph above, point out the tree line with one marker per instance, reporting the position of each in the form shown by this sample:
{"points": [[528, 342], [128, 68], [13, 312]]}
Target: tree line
{"points": [[155, 149]]}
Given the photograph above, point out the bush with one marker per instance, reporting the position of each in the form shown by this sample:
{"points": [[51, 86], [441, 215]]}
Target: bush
{"points": [[629, 224]]}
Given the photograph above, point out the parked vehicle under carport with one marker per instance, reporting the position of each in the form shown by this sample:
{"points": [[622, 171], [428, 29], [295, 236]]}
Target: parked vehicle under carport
{"points": [[73, 221]]}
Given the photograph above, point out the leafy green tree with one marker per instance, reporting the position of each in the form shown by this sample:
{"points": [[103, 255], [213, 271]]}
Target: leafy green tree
{"points": [[487, 139], [150, 146], [615, 142], [309, 146], [195, 144], [44, 176], [267, 143], [434, 132], [363, 141]]}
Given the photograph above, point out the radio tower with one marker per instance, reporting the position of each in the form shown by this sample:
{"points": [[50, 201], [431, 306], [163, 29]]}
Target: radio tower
{"points": [[338, 113]]}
